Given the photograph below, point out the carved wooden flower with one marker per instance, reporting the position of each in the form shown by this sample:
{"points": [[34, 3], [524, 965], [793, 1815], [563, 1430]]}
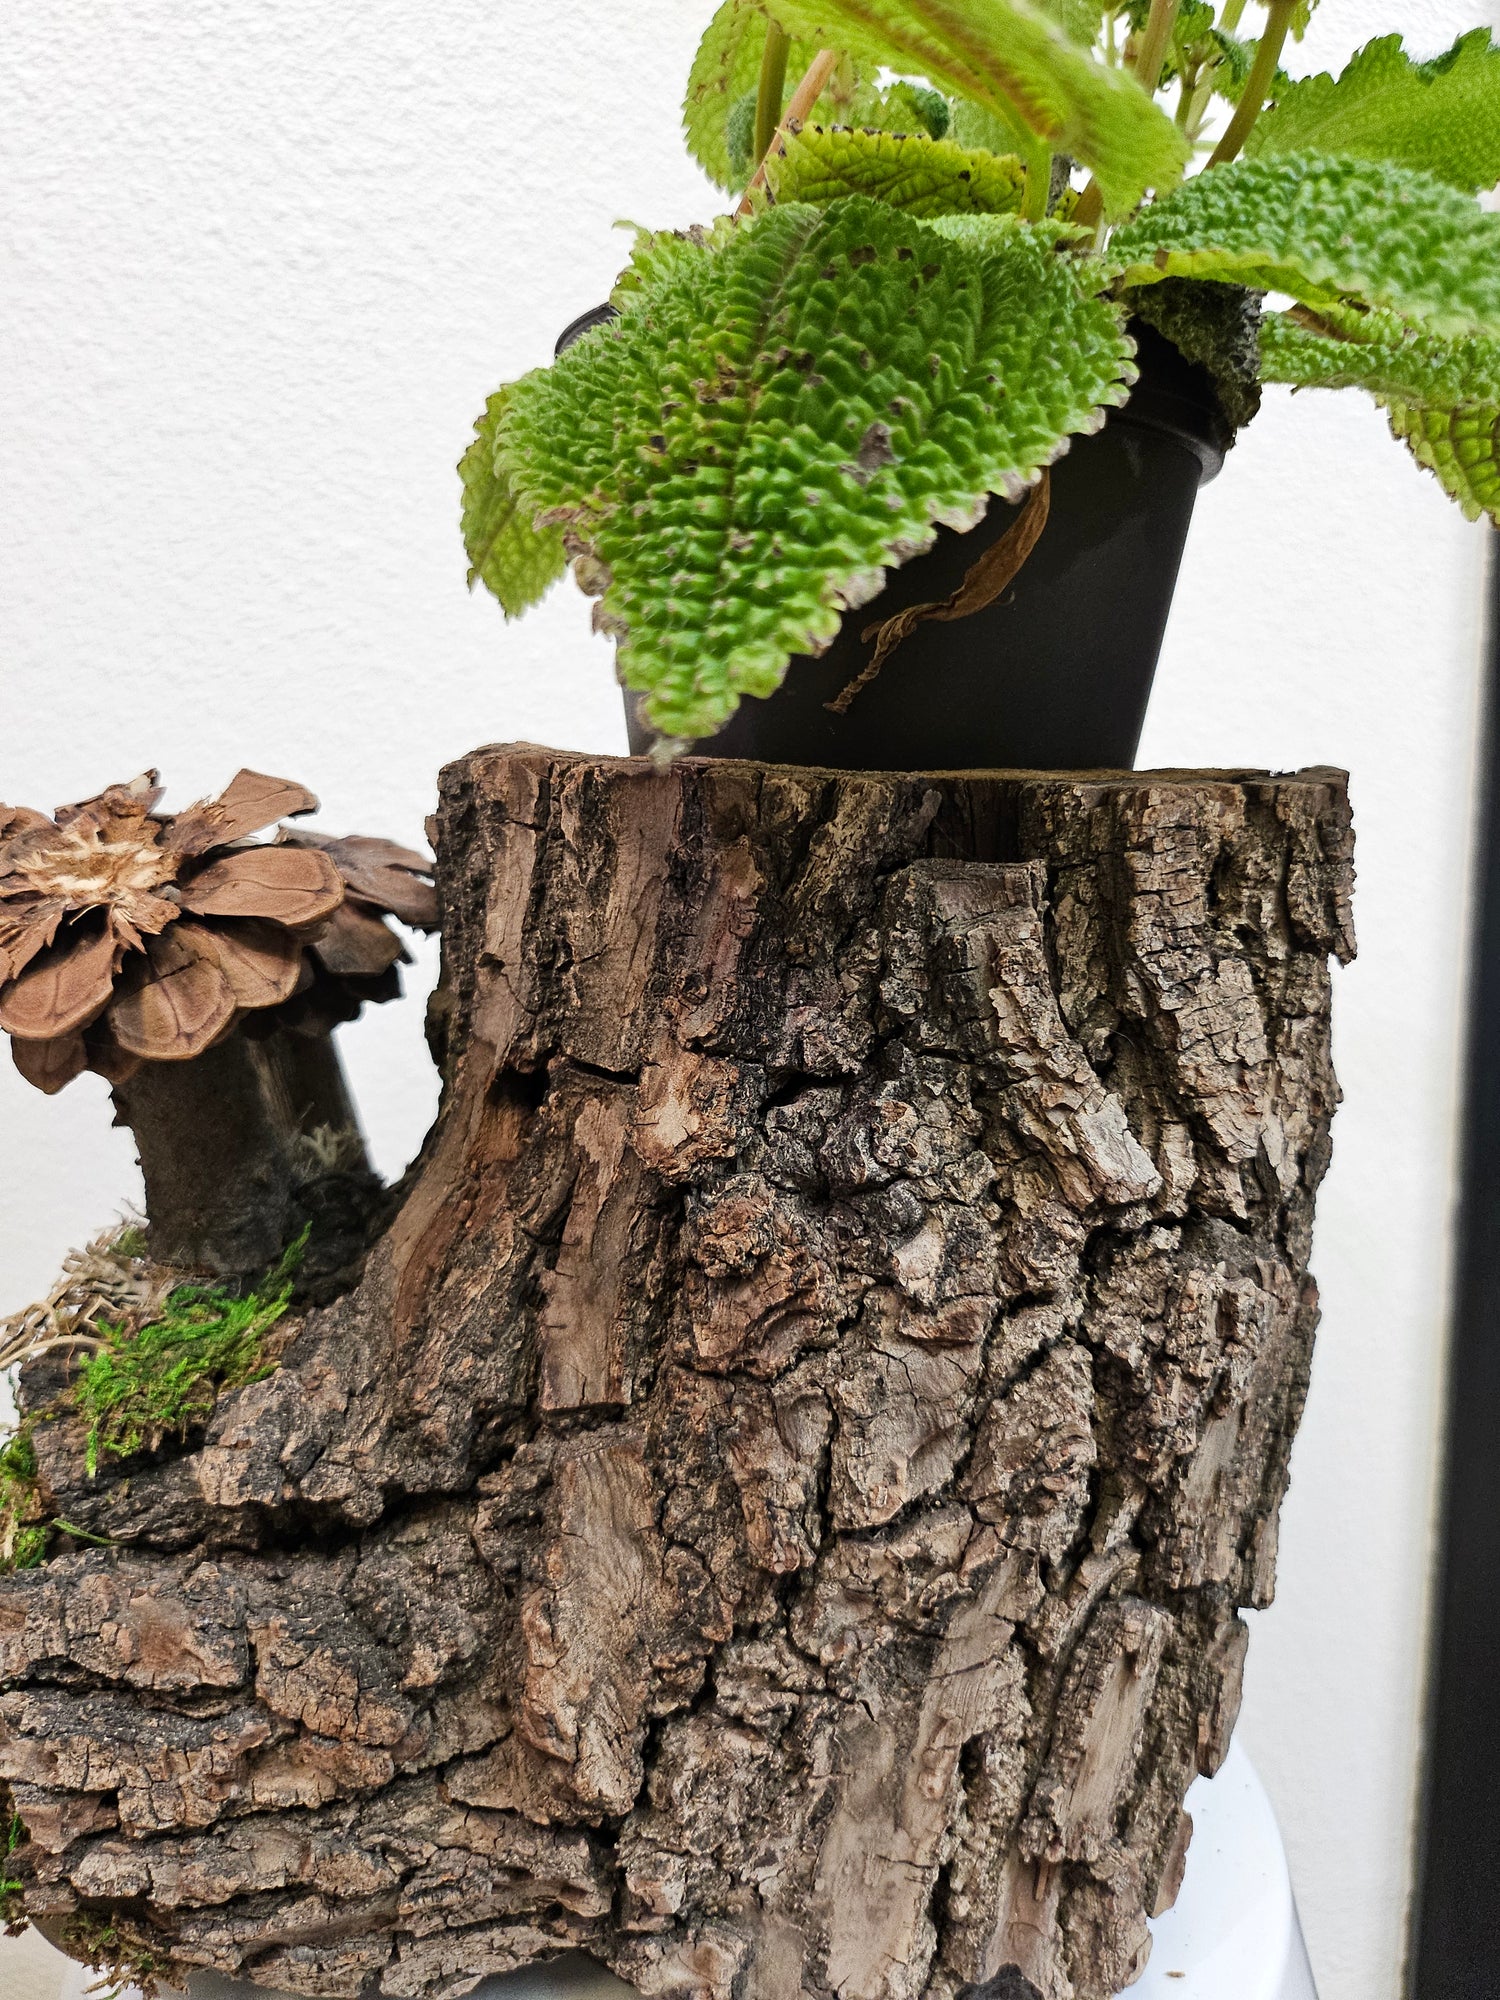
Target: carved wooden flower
{"points": [[129, 936]]}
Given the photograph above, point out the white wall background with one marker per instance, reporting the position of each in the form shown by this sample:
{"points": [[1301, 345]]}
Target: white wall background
{"points": [[265, 260]]}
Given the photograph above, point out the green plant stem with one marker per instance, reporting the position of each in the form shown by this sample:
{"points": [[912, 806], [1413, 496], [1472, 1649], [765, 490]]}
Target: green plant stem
{"points": [[1152, 52], [1038, 182], [1257, 85], [1234, 13], [804, 97], [772, 89]]}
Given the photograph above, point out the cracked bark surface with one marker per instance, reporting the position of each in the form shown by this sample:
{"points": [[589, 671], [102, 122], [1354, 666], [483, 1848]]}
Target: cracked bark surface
{"points": [[774, 1511]]}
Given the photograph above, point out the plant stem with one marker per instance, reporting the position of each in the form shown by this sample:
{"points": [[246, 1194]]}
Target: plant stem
{"points": [[1152, 52], [1234, 11], [1038, 182], [772, 86], [804, 97], [1258, 84], [1149, 55]]}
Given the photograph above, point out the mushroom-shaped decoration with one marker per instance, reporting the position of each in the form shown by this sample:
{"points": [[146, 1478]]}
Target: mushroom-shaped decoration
{"points": [[128, 936], [137, 944]]}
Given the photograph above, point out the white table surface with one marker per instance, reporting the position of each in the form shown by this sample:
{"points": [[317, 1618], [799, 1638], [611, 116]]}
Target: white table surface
{"points": [[1233, 1934]]}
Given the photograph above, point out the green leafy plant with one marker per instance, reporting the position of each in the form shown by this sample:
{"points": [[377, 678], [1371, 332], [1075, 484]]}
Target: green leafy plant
{"points": [[924, 294]]}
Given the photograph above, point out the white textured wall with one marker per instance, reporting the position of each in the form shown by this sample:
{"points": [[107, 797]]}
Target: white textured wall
{"points": [[266, 259]]}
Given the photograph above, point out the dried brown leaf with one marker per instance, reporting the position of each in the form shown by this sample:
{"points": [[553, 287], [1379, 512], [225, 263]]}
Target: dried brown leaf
{"points": [[249, 802], [261, 962], [296, 886], [20, 819], [128, 803], [396, 879], [180, 1001], [63, 988], [357, 945], [50, 1065], [28, 924], [105, 1056]]}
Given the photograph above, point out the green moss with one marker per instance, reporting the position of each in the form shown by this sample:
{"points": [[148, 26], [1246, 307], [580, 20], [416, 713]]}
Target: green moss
{"points": [[12, 1912], [143, 1384], [23, 1529], [162, 1379]]}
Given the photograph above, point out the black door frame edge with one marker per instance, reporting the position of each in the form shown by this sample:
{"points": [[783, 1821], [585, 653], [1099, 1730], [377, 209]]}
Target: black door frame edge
{"points": [[1454, 1940]]}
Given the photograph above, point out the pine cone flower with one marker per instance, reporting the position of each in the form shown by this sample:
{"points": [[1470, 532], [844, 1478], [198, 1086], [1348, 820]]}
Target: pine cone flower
{"points": [[127, 936], [354, 958]]}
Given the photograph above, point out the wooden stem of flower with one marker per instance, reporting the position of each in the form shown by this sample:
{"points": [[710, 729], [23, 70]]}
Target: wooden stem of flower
{"points": [[772, 86], [804, 97], [1257, 85], [1152, 50], [243, 1145]]}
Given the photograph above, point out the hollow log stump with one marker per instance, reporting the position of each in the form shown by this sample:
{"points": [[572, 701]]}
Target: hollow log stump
{"points": [[773, 1511]]}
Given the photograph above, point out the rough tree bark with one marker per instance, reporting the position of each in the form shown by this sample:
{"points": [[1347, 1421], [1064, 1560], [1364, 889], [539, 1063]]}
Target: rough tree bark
{"points": [[774, 1510]]}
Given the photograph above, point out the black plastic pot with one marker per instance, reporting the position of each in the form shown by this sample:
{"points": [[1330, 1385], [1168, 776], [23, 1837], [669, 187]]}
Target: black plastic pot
{"points": [[1057, 672]]}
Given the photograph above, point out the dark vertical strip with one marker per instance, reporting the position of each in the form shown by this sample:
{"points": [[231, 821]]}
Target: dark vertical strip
{"points": [[1455, 1939]]}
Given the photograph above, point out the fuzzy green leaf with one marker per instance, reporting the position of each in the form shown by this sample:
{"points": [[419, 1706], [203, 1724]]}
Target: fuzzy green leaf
{"points": [[1377, 352], [1081, 19], [777, 421], [1462, 447], [920, 175], [1013, 58], [1442, 396], [1321, 229], [516, 562], [1440, 117], [979, 130], [726, 71]]}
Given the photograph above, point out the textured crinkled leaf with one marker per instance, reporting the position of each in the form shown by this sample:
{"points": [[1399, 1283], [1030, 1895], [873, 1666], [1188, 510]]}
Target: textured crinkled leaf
{"points": [[516, 561], [1216, 326], [1381, 355], [920, 175], [914, 107], [1321, 228], [726, 69], [978, 129], [1462, 447], [1236, 59], [1441, 117], [1082, 19], [779, 420], [657, 253], [1012, 57]]}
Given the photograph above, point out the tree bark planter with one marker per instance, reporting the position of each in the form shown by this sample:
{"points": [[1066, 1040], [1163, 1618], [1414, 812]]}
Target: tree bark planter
{"points": [[773, 1511]]}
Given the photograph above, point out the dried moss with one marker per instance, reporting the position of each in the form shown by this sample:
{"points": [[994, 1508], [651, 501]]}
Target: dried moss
{"points": [[124, 1960]]}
